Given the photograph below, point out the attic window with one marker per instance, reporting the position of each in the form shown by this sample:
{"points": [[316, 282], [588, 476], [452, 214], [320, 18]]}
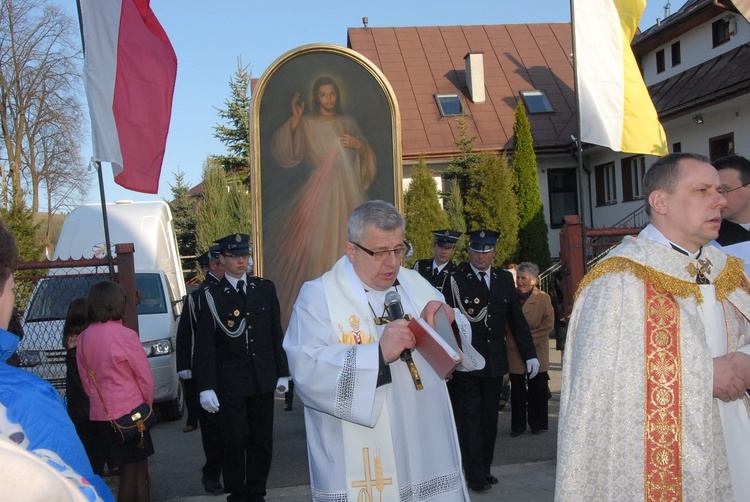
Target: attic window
{"points": [[536, 101], [449, 105]]}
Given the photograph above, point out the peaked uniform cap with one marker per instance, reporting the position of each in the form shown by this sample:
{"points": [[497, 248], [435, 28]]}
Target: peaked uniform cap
{"points": [[238, 244], [447, 237], [203, 260], [483, 240]]}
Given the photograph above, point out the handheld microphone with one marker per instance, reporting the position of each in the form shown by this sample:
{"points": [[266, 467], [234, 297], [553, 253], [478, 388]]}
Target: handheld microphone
{"points": [[393, 304], [395, 312]]}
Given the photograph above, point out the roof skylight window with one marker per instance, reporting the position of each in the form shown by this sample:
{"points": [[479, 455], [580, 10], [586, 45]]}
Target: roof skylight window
{"points": [[536, 101], [450, 105]]}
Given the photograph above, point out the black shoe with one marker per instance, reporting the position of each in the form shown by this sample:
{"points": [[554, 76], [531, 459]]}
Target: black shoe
{"points": [[479, 487], [536, 431], [212, 487], [515, 434], [492, 479], [288, 407]]}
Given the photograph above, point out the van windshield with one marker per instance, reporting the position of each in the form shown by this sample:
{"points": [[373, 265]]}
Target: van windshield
{"points": [[53, 295]]}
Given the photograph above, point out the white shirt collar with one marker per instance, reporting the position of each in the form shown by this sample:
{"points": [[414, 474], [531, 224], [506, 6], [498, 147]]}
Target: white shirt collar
{"points": [[234, 281], [654, 234]]}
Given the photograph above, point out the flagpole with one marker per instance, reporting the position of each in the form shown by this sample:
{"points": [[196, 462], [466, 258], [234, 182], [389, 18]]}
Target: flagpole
{"points": [[98, 167], [110, 261], [579, 143]]}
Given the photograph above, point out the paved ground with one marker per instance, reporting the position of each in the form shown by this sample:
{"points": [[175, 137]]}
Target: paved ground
{"points": [[533, 482], [524, 465]]}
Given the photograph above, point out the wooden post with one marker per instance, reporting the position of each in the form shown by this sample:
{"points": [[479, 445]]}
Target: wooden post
{"points": [[572, 257], [126, 273]]}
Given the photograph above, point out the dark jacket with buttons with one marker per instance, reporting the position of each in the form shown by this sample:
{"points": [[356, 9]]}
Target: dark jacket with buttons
{"points": [[424, 267], [186, 328], [236, 360], [488, 334]]}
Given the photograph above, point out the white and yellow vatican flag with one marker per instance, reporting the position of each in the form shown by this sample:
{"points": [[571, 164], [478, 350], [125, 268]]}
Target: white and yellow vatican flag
{"points": [[743, 6], [616, 109]]}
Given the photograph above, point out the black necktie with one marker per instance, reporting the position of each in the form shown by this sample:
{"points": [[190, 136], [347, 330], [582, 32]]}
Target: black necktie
{"points": [[481, 278], [435, 272], [241, 289]]}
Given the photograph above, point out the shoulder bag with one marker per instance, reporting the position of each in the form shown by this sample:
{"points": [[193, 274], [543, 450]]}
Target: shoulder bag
{"points": [[130, 426]]}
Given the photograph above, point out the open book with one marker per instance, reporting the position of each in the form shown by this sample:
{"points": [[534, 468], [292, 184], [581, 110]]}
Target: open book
{"points": [[437, 345]]}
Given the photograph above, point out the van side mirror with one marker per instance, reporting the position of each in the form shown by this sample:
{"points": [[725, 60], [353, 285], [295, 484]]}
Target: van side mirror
{"points": [[174, 307]]}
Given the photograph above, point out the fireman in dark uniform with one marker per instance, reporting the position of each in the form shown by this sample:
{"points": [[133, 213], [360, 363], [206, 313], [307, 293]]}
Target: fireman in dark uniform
{"points": [[487, 296], [213, 271], [238, 363], [437, 269]]}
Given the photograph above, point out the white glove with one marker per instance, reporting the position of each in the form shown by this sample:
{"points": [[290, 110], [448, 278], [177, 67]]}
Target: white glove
{"points": [[185, 374], [282, 385], [209, 401], [532, 367]]}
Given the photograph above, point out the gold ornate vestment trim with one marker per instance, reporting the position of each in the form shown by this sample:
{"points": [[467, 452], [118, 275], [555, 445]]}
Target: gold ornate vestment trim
{"points": [[663, 407], [730, 278]]}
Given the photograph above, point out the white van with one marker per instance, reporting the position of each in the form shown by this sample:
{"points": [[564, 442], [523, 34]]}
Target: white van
{"points": [[159, 281]]}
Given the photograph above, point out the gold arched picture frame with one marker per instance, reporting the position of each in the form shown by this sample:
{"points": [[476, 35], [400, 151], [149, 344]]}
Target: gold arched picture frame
{"points": [[325, 136]]}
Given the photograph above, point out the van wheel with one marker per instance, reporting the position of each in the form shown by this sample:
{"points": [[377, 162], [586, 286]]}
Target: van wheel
{"points": [[173, 410]]}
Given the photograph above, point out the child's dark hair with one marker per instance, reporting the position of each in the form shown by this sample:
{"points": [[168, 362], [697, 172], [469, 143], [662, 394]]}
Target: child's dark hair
{"points": [[106, 302], [77, 318]]}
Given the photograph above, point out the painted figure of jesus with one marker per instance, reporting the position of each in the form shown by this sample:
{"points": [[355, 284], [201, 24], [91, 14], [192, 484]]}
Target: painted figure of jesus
{"points": [[307, 237]]}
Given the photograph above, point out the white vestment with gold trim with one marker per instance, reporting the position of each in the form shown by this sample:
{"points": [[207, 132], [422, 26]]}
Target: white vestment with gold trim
{"points": [[604, 409], [343, 405]]}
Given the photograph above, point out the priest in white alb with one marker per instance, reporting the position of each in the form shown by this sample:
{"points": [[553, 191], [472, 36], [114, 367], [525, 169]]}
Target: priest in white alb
{"points": [[371, 435], [653, 403]]}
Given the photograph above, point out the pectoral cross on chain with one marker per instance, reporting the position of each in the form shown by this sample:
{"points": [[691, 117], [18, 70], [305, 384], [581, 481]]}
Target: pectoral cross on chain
{"points": [[700, 271]]}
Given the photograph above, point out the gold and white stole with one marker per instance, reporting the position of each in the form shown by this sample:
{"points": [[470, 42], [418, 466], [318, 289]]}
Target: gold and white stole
{"points": [[368, 451]]}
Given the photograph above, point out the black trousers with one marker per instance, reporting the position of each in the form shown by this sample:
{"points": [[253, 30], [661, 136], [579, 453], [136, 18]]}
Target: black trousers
{"points": [[247, 427], [192, 401], [475, 409], [213, 445], [532, 402]]}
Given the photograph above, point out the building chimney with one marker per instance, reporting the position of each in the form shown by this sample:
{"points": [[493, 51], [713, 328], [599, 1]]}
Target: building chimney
{"points": [[475, 76]]}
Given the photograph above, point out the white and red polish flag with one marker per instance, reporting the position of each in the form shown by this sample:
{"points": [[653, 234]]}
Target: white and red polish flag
{"points": [[130, 70]]}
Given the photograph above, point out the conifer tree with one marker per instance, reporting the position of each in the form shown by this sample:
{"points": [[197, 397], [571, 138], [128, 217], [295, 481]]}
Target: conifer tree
{"points": [[239, 205], [459, 167], [533, 240], [214, 220], [234, 133], [20, 222], [423, 212], [183, 215], [491, 203], [454, 206]]}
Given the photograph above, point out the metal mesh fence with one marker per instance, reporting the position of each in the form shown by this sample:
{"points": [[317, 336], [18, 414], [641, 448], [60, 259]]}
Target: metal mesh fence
{"points": [[46, 289], [41, 349]]}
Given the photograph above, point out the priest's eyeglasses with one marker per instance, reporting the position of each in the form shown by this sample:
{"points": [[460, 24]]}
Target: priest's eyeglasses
{"points": [[723, 189], [398, 252]]}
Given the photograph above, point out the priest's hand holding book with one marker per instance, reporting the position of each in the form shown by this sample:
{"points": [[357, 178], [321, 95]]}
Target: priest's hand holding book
{"points": [[397, 336]]}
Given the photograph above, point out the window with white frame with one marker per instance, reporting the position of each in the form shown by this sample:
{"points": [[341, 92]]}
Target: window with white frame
{"points": [[450, 105], [606, 185], [633, 170]]}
